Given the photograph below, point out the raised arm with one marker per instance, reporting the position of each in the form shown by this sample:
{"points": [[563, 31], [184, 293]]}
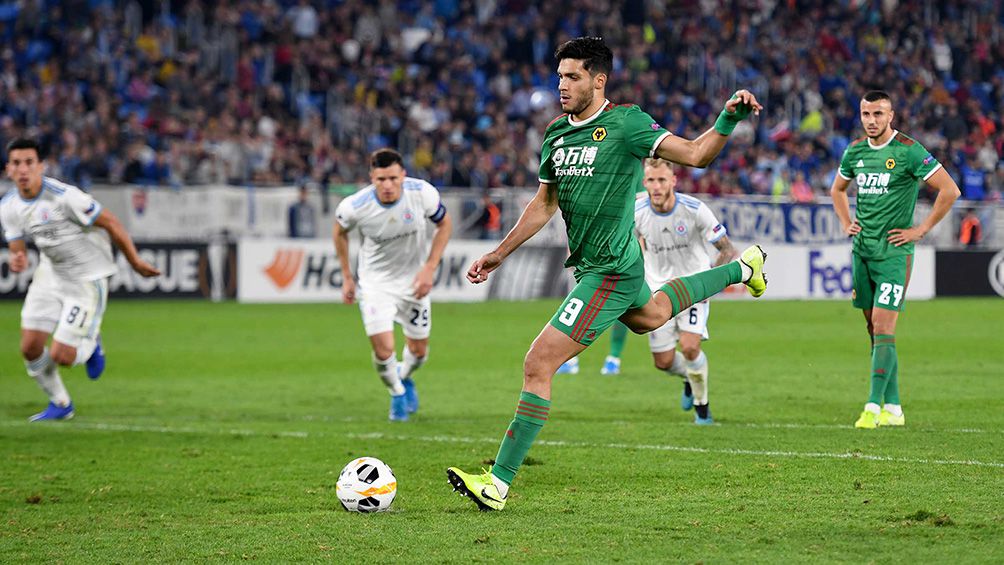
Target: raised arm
{"points": [[111, 224], [534, 217], [702, 151]]}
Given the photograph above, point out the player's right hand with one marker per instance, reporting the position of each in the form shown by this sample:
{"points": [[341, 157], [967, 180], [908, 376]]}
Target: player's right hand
{"points": [[853, 229], [145, 269], [18, 261], [349, 290], [478, 273]]}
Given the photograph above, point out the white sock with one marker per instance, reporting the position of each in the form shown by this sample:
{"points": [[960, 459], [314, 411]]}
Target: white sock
{"points": [[697, 375], [873, 408], [894, 409], [410, 363], [679, 366], [500, 484], [46, 374], [747, 270], [85, 350], [387, 369]]}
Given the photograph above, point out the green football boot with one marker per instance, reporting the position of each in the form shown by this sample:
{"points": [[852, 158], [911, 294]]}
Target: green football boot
{"points": [[867, 421], [754, 258], [887, 418], [478, 488]]}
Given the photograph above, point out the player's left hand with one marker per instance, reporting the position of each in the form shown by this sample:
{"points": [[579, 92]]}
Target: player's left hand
{"points": [[902, 236], [743, 102], [423, 282], [145, 269], [18, 261]]}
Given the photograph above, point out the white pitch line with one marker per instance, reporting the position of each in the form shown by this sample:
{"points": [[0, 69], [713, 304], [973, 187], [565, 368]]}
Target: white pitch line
{"points": [[550, 443]]}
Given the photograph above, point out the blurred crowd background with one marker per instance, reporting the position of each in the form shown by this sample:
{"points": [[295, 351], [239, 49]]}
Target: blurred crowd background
{"points": [[298, 92]]}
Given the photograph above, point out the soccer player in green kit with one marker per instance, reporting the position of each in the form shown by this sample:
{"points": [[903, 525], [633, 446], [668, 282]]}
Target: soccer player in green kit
{"points": [[887, 167], [590, 167]]}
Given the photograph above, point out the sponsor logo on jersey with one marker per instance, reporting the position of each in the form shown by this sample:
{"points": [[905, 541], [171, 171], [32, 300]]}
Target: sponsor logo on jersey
{"points": [[44, 215], [285, 266], [718, 228], [408, 217], [655, 126], [873, 183], [90, 209], [599, 134], [890, 164], [574, 161], [860, 163], [559, 142], [929, 159], [681, 229]]}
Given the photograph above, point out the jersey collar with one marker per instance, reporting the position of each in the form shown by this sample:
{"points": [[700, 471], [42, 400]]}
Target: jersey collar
{"points": [[891, 137], [576, 124]]}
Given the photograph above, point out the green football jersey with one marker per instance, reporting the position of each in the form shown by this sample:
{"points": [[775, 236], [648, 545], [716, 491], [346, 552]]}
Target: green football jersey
{"points": [[888, 181], [596, 164]]}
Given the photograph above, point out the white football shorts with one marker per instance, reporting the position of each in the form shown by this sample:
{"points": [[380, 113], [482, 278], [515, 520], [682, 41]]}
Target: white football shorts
{"points": [[69, 310], [380, 309], [693, 320]]}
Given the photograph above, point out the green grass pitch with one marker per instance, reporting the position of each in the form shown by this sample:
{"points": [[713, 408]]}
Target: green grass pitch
{"points": [[218, 431]]}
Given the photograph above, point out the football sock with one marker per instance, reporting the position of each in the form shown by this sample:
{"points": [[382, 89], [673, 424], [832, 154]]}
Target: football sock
{"points": [[883, 359], [46, 374], [679, 366], [697, 376], [410, 363], [702, 410], [892, 389], [894, 409], [684, 292], [387, 369], [531, 413], [618, 335], [85, 350], [873, 408]]}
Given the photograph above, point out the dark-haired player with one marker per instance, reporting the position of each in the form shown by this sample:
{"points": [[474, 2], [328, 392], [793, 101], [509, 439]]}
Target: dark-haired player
{"points": [[887, 167], [69, 290], [397, 264], [590, 168]]}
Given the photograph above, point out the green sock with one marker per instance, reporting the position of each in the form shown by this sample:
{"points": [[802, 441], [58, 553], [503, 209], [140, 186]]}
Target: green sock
{"points": [[892, 389], [618, 335], [531, 413], [684, 292], [883, 363]]}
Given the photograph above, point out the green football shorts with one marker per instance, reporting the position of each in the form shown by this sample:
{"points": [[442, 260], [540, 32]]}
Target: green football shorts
{"points": [[598, 300], [880, 283]]}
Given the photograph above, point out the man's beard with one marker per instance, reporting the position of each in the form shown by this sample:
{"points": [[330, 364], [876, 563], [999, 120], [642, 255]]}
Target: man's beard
{"points": [[880, 133]]}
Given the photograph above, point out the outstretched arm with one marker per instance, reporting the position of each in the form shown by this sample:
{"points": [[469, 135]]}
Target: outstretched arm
{"points": [[702, 151], [948, 193], [111, 224], [534, 217]]}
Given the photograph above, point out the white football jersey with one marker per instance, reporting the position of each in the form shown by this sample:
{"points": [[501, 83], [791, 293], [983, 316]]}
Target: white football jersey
{"points": [[396, 237], [59, 221], [675, 241]]}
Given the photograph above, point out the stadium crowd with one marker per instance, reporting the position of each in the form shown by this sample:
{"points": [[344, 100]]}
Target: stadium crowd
{"points": [[282, 91]]}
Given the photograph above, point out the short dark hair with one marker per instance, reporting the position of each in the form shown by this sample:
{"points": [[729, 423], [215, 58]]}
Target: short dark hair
{"points": [[876, 95], [25, 143], [596, 57], [384, 158]]}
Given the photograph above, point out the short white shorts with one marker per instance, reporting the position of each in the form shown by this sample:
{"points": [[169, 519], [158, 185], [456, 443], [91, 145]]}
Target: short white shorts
{"points": [[693, 320], [69, 310], [381, 309]]}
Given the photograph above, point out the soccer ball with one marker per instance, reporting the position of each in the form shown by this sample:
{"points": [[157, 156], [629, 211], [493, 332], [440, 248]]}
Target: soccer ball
{"points": [[366, 484]]}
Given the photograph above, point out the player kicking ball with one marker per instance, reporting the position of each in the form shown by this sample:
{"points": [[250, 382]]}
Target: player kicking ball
{"points": [[673, 228], [397, 264], [590, 167], [886, 165], [69, 290]]}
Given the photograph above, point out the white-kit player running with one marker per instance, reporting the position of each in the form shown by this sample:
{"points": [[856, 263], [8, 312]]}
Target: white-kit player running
{"points": [[69, 290], [404, 228], [673, 229]]}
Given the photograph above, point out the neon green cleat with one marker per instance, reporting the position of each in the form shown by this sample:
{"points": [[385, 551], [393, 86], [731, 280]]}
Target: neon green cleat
{"points": [[754, 258], [478, 488], [868, 420], [887, 418]]}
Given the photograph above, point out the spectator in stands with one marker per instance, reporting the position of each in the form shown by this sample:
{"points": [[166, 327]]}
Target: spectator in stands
{"points": [[971, 230], [302, 217], [491, 218]]}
